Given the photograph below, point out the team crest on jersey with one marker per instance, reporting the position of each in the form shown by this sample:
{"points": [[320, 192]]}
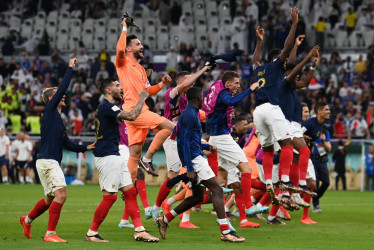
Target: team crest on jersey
{"points": [[115, 108], [261, 73], [147, 84]]}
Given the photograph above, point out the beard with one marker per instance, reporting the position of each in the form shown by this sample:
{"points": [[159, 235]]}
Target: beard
{"points": [[139, 54]]}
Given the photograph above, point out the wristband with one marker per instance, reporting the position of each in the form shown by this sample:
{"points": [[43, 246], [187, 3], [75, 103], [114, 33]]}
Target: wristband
{"points": [[124, 28], [312, 68]]}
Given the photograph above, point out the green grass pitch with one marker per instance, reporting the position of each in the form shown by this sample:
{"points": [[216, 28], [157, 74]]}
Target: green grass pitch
{"points": [[345, 223]]}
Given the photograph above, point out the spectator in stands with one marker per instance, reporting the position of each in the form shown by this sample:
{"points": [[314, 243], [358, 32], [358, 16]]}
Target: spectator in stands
{"points": [[335, 13], [101, 75], [164, 12], [8, 49], [175, 12], [171, 59], [369, 160], [360, 66], [252, 10], [281, 31], [370, 58], [359, 128], [339, 159], [320, 28], [339, 127], [350, 21]]}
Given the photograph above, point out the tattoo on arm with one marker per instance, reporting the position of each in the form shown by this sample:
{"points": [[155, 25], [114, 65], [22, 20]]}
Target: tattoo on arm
{"points": [[134, 113]]}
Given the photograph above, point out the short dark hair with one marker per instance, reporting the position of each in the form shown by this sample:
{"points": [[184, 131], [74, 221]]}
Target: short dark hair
{"points": [[193, 93], [304, 105], [229, 76], [273, 53], [105, 83], [290, 66], [129, 39], [182, 74], [319, 106], [239, 119], [48, 92]]}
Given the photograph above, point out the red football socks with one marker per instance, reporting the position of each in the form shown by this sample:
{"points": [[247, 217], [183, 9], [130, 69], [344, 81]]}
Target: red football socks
{"points": [[246, 189], [54, 215], [267, 163], [142, 190], [303, 162], [285, 160], [132, 207], [39, 209], [240, 204], [163, 193], [295, 174], [102, 211]]}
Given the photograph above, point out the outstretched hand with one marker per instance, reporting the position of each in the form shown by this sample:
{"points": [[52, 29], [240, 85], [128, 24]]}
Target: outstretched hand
{"points": [[299, 40], [166, 79], [314, 52], [73, 62], [260, 33], [255, 86], [294, 15]]}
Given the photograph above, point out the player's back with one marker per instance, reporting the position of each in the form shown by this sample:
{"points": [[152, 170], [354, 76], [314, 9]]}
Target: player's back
{"points": [[269, 77], [107, 129]]}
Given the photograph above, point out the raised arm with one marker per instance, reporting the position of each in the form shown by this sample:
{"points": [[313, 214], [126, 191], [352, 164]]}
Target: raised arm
{"points": [[308, 78], [293, 55], [313, 52], [135, 112], [53, 103], [152, 90], [189, 81], [257, 54], [121, 46], [230, 100], [288, 44]]}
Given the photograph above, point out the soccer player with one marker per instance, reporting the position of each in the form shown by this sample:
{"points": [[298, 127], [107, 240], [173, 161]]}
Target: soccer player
{"points": [[134, 79], [22, 156], [268, 118], [175, 103], [113, 173], [4, 155], [53, 137], [313, 130], [291, 106], [190, 151], [218, 104]]}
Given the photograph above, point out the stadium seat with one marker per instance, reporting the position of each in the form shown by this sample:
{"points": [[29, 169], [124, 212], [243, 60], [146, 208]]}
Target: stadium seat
{"points": [[51, 28], [75, 26], [15, 23], [53, 15], [369, 37], [331, 41], [27, 28], [87, 37], [150, 40], [149, 29], [211, 5], [64, 14], [341, 39], [3, 31], [188, 17], [113, 22], [201, 29], [199, 21], [112, 38], [62, 40], [224, 9], [41, 14], [99, 41], [201, 41], [199, 8], [163, 41], [226, 21], [73, 42], [213, 34], [100, 26], [212, 18], [88, 23], [186, 5]]}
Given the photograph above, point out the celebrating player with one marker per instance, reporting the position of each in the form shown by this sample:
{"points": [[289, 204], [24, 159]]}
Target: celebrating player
{"points": [[113, 173], [53, 137], [134, 79]]}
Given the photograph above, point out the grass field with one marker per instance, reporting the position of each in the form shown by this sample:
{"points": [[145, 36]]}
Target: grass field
{"points": [[345, 223]]}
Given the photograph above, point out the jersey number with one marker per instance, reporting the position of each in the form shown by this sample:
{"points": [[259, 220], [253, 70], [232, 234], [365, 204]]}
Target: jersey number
{"points": [[213, 89], [97, 122], [262, 82]]}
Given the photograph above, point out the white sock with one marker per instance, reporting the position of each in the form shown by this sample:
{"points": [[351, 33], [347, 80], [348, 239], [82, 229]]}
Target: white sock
{"points": [[139, 229], [286, 194], [5, 179], [222, 221], [21, 180], [49, 233], [171, 201], [302, 183], [156, 209], [146, 209], [271, 217], [243, 221], [91, 233], [285, 178], [226, 209], [269, 182], [28, 220], [173, 213], [27, 179], [253, 198], [124, 222], [186, 217], [145, 159], [165, 219]]}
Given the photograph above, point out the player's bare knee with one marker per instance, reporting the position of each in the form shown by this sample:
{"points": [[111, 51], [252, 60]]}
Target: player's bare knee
{"points": [[285, 142], [244, 167], [311, 184]]}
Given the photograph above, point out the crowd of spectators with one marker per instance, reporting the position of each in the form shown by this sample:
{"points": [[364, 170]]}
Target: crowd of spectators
{"points": [[344, 82]]}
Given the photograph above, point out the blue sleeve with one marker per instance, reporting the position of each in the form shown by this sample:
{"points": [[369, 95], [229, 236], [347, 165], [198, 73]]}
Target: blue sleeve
{"points": [[276, 64], [307, 125], [205, 146], [328, 137], [188, 137], [173, 101], [69, 145], [53, 103], [230, 100]]}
